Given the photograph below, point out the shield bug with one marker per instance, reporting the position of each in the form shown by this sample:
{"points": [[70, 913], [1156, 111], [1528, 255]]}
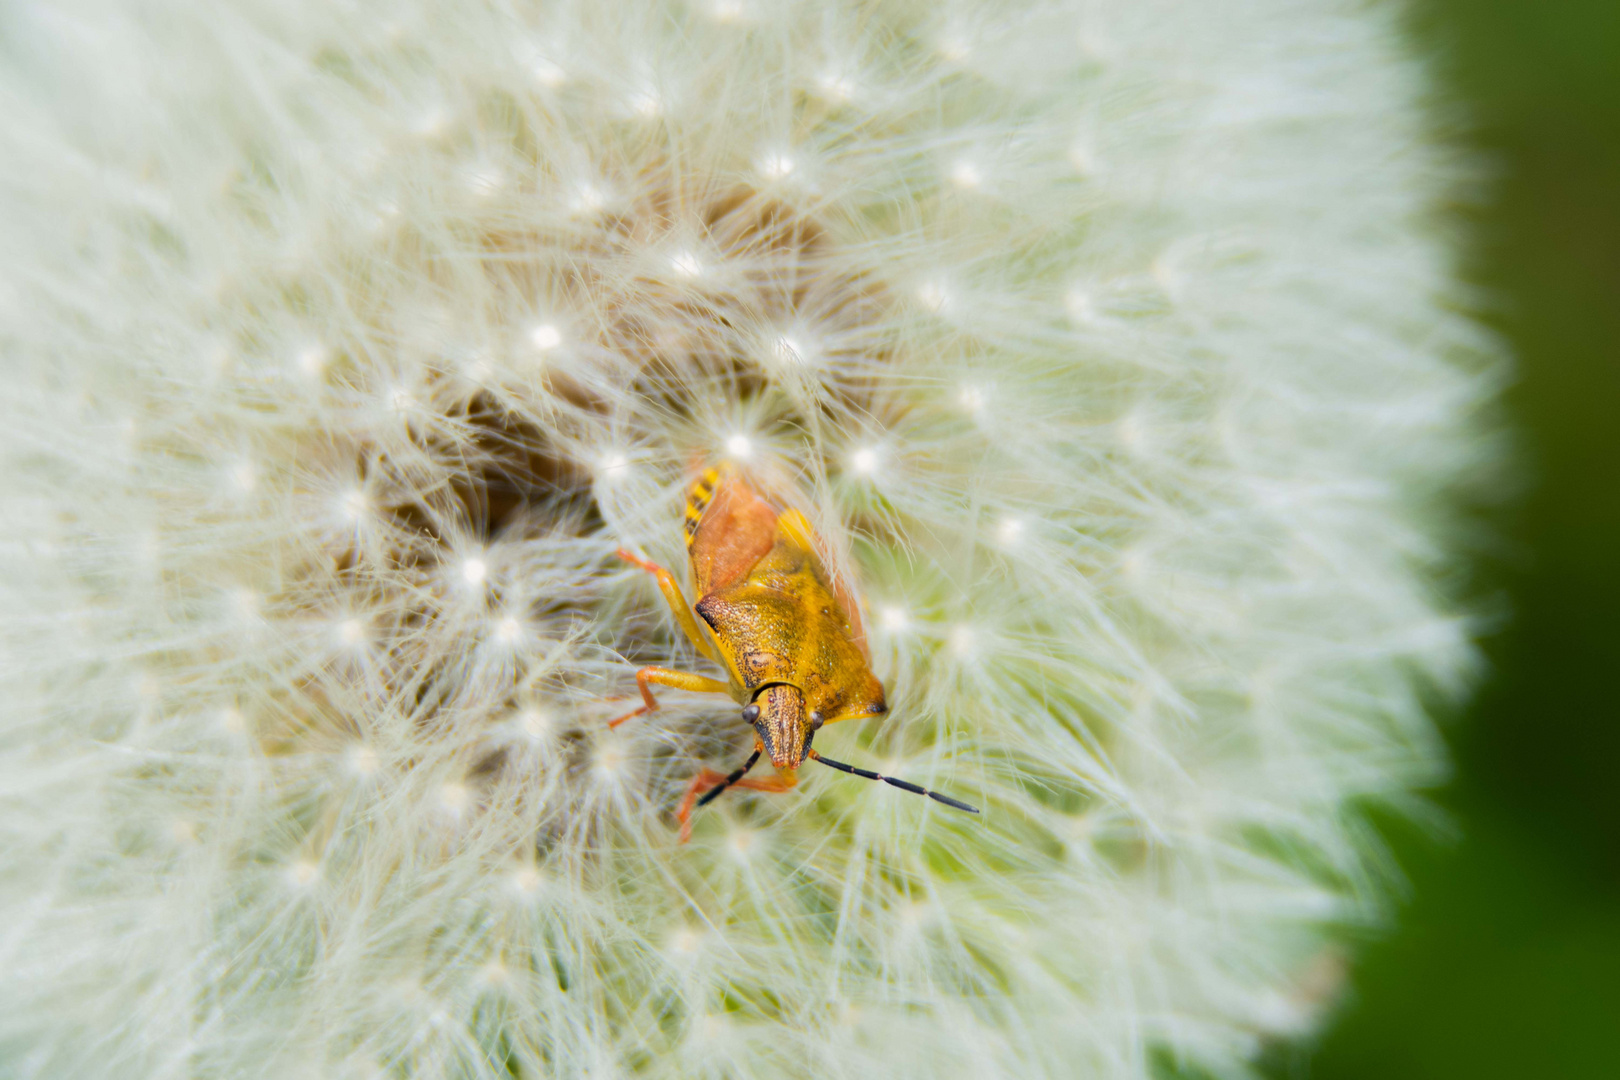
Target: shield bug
{"points": [[789, 639]]}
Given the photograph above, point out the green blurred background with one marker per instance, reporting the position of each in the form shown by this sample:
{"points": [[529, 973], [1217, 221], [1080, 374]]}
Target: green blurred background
{"points": [[1506, 959]]}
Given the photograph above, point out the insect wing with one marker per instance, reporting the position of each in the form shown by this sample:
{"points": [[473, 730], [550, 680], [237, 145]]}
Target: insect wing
{"points": [[729, 529]]}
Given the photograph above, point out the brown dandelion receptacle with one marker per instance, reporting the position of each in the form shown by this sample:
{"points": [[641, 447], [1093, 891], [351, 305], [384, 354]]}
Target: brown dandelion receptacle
{"points": [[791, 642]]}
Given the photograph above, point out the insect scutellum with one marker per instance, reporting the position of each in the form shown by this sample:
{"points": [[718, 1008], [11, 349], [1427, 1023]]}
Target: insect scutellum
{"points": [[791, 643]]}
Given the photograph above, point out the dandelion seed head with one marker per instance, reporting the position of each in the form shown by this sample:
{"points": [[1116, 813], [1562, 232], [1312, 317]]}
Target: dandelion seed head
{"points": [[331, 402]]}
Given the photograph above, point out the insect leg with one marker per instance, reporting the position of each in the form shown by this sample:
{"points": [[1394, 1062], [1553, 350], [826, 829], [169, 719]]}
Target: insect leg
{"points": [[704, 781], [736, 775], [713, 783], [677, 603], [903, 785], [679, 680]]}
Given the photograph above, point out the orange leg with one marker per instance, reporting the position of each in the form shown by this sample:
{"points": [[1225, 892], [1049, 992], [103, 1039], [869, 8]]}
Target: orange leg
{"points": [[703, 781], [679, 680], [677, 603], [707, 780]]}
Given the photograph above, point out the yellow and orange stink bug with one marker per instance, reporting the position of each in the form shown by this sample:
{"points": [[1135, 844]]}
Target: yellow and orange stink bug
{"points": [[790, 641]]}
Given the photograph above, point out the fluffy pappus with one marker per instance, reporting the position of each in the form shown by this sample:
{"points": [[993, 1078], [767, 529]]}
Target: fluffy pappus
{"points": [[1110, 345]]}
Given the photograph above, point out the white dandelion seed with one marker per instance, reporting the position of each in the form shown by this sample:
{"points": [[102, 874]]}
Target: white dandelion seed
{"points": [[535, 724], [508, 630], [311, 360], [646, 103], [354, 506], [303, 874], [775, 166], [934, 295], [244, 476], [686, 264], [361, 761], [836, 87], [587, 200], [966, 175], [545, 337]]}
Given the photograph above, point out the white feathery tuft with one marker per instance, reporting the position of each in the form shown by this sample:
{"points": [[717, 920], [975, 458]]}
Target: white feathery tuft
{"points": [[1110, 340]]}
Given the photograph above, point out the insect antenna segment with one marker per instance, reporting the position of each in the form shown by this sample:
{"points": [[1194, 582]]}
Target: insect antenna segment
{"points": [[903, 785]]}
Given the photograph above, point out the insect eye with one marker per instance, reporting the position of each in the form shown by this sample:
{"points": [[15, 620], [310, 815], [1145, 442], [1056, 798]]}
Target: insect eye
{"points": [[815, 721], [751, 713]]}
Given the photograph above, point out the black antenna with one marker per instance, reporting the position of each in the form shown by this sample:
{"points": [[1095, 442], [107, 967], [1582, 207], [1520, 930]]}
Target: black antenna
{"points": [[903, 785], [736, 775]]}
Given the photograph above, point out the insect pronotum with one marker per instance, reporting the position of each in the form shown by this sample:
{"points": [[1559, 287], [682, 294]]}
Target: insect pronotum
{"points": [[789, 640]]}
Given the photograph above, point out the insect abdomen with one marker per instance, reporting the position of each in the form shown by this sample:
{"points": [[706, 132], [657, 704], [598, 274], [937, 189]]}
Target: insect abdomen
{"points": [[697, 501]]}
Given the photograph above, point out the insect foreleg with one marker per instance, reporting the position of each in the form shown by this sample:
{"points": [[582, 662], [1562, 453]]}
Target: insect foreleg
{"points": [[703, 781], [677, 603], [679, 680], [712, 782], [736, 775]]}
